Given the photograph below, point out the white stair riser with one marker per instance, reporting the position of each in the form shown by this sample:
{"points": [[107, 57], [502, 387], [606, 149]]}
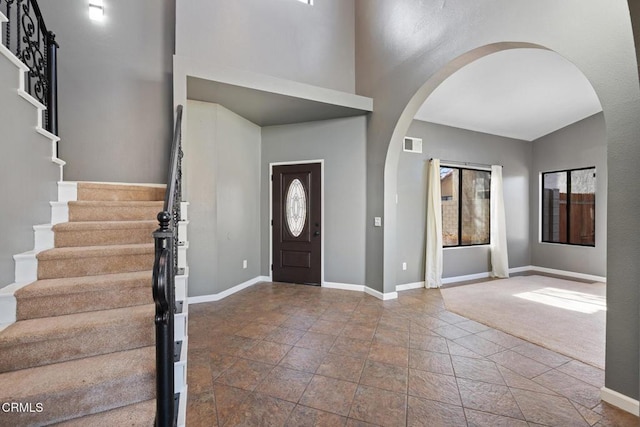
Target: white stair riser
{"points": [[184, 214], [180, 376], [67, 191], [182, 255], [26, 267], [181, 288], [43, 237], [182, 408], [8, 308], [59, 212], [180, 368], [180, 326], [182, 230]]}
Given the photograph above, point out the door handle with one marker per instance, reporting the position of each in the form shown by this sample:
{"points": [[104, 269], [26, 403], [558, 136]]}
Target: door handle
{"points": [[317, 233]]}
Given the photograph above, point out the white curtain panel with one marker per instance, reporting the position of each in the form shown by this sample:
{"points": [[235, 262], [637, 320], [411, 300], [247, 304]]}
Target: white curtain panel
{"points": [[433, 264], [499, 256]]}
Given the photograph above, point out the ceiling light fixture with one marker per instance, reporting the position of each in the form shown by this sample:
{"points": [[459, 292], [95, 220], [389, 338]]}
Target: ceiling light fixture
{"points": [[96, 10]]}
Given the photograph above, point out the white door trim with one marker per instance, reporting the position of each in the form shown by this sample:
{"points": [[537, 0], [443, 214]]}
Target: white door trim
{"points": [[300, 162]]}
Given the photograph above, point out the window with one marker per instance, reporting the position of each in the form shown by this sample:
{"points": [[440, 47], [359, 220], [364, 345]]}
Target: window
{"points": [[569, 207], [466, 205]]}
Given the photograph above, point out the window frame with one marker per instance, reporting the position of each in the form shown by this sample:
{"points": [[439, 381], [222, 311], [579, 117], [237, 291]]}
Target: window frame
{"points": [[568, 210], [460, 244]]}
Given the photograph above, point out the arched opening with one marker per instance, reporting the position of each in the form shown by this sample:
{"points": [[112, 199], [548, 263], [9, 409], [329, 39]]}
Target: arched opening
{"points": [[495, 105]]}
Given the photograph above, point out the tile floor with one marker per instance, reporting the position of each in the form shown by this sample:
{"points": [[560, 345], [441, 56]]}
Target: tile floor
{"points": [[294, 355]]}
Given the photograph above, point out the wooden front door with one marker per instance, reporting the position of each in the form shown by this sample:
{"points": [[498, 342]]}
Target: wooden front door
{"points": [[297, 223]]}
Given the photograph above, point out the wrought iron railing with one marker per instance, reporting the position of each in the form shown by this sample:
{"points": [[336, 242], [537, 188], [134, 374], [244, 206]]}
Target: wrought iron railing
{"points": [[27, 37], [164, 272]]}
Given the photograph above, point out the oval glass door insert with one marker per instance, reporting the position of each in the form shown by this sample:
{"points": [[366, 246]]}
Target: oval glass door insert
{"points": [[296, 207]]}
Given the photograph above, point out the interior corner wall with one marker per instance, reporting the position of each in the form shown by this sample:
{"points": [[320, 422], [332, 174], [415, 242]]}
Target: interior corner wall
{"points": [[448, 143], [579, 145], [222, 171], [282, 38], [341, 143], [114, 84], [28, 175]]}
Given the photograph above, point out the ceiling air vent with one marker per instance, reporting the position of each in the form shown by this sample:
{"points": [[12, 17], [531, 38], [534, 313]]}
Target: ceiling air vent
{"points": [[412, 145]]}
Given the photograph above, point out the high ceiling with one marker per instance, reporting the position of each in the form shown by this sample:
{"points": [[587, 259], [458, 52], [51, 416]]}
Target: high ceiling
{"points": [[518, 93]]}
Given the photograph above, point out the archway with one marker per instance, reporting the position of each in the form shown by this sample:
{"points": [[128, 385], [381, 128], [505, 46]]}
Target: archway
{"points": [[394, 148]]}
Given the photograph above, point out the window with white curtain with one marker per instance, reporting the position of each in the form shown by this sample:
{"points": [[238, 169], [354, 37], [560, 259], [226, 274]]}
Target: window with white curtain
{"points": [[466, 208]]}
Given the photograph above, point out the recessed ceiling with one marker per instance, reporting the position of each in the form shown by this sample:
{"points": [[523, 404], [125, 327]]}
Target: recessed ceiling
{"points": [[517, 93], [266, 108], [267, 100]]}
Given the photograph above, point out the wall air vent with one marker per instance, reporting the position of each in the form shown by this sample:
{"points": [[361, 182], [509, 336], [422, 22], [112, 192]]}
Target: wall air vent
{"points": [[412, 145]]}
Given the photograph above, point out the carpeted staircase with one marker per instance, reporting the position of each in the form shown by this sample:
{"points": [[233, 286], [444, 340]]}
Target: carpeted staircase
{"points": [[83, 343]]}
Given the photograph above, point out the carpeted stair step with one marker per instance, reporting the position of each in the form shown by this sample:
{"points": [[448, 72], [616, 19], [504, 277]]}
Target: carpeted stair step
{"points": [[81, 387], [141, 414], [97, 233], [102, 191], [37, 342], [57, 297], [113, 210], [94, 260]]}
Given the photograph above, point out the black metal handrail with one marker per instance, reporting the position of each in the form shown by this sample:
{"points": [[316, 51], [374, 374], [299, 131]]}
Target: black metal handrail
{"points": [[26, 36], [164, 272]]}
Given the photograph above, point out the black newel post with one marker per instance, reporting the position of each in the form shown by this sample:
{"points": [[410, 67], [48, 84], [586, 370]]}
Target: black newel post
{"points": [[52, 77], [165, 301]]}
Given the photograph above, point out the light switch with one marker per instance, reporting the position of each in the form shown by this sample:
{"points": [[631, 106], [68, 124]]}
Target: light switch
{"points": [[244, 263], [377, 221], [404, 265]]}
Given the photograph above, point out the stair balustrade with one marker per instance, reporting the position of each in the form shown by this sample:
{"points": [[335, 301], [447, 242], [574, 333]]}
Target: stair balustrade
{"points": [[164, 272], [27, 37]]}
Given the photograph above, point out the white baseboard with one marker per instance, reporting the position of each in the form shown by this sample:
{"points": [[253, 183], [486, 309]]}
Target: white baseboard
{"points": [[343, 286], [521, 269], [230, 291], [408, 286], [380, 295], [361, 288], [621, 401], [132, 184], [568, 274], [455, 279]]}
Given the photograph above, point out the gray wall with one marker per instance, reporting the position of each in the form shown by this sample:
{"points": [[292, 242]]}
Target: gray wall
{"points": [[282, 38], [27, 174], [582, 144], [342, 145], [401, 44], [224, 196], [115, 88], [448, 143]]}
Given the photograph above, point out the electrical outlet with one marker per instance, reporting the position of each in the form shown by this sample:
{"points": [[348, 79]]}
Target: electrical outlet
{"points": [[377, 221], [404, 265], [244, 263]]}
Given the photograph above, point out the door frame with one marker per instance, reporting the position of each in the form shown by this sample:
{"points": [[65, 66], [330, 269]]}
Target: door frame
{"points": [[300, 162]]}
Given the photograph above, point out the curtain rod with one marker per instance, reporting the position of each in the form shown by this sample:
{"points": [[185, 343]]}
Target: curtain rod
{"points": [[454, 162]]}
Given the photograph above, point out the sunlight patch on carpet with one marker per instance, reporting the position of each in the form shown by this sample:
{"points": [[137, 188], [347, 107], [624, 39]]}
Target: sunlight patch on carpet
{"points": [[565, 299]]}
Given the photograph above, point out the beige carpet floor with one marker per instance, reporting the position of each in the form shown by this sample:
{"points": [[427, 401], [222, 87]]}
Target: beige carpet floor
{"points": [[562, 315]]}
